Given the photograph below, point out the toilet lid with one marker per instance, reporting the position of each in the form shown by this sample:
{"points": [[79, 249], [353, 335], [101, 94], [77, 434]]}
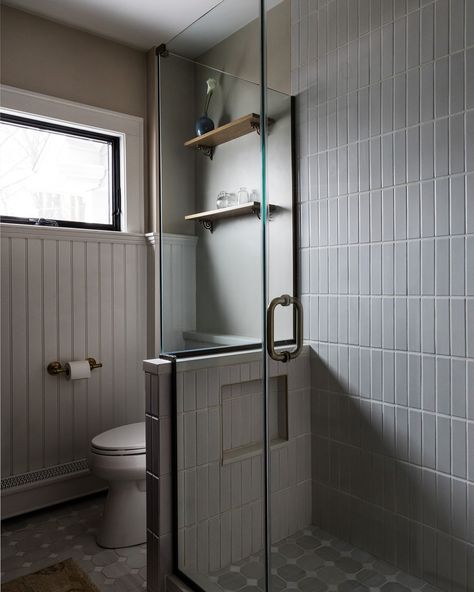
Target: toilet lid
{"points": [[129, 437]]}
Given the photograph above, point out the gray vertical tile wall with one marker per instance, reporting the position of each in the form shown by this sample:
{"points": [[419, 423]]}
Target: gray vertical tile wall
{"points": [[158, 473], [385, 122], [220, 463]]}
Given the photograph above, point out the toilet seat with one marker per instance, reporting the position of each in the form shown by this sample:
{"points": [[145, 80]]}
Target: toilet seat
{"points": [[118, 452], [127, 440]]}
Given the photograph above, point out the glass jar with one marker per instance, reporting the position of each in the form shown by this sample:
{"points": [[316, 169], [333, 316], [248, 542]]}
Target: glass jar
{"points": [[242, 196], [221, 201], [231, 199]]}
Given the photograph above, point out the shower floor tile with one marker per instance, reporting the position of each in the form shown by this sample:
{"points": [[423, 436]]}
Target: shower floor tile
{"points": [[314, 561], [49, 536]]}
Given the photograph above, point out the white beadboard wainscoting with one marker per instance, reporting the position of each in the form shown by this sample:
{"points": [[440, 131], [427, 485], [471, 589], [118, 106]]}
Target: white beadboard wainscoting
{"points": [[179, 288], [67, 294]]}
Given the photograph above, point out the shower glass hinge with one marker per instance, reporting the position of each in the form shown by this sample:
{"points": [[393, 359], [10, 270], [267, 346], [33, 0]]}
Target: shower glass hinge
{"points": [[162, 51], [270, 209]]}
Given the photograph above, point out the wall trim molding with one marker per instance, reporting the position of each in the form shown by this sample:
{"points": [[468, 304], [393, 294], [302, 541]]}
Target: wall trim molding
{"points": [[69, 234], [87, 115], [172, 239]]}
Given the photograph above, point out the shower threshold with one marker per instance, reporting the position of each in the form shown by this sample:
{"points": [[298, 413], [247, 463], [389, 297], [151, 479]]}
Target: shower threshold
{"points": [[314, 561]]}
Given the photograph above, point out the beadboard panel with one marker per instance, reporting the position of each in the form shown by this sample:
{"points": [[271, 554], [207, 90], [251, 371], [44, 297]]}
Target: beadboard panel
{"points": [[67, 296], [179, 289]]}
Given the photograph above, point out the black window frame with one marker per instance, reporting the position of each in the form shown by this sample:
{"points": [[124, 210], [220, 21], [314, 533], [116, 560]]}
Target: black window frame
{"points": [[114, 141]]}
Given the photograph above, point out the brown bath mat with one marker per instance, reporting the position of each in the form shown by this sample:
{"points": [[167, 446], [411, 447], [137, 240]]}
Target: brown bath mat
{"points": [[66, 576]]}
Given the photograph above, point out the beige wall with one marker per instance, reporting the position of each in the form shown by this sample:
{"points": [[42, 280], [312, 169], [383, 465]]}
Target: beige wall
{"points": [[177, 126], [46, 57], [239, 53]]}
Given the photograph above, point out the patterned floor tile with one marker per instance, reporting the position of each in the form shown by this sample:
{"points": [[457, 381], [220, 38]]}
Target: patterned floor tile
{"points": [[314, 561], [49, 536], [309, 561]]}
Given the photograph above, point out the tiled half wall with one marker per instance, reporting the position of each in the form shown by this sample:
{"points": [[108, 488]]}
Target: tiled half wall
{"points": [[220, 473]]}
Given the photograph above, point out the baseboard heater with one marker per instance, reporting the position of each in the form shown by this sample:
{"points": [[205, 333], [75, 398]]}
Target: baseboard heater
{"points": [[45, 487], [42, 474]]}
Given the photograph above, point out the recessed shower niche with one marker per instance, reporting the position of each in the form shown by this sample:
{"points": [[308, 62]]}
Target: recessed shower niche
{"points": [[242, 417]]}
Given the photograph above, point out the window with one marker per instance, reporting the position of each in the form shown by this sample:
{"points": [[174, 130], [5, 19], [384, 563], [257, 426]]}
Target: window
{"points": [[51, 174]]}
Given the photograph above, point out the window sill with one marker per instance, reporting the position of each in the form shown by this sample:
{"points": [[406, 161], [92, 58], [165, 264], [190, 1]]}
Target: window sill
{"points": [[61, 233]]}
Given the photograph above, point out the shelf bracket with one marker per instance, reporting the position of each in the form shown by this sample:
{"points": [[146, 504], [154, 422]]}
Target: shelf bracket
{"points": [[255, 126], [207, 225], [206, 150]]}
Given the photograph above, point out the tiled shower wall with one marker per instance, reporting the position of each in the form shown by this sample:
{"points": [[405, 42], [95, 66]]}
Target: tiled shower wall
{"points": [[220, 479], [385, 95], [219, 500]]}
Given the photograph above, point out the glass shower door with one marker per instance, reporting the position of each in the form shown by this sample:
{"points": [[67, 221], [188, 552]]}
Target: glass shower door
{"points": [[221, 264], [287, 364], [211, 283]]}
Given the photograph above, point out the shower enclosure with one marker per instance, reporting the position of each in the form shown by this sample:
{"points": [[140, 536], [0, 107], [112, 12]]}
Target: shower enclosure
{"points": [[337, 465]]}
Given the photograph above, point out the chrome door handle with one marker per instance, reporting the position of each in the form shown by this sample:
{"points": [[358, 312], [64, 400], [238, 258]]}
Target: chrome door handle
{"points": [[284, 356]]}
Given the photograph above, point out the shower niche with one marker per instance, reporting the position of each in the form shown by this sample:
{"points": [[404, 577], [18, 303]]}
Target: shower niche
{"points": [[242, 417]]}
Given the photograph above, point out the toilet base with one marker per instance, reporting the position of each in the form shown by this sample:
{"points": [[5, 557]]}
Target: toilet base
{"points": [[124, 519]]}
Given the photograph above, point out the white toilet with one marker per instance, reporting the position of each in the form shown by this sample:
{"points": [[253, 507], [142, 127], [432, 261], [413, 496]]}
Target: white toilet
{"points": [[118, 456]]}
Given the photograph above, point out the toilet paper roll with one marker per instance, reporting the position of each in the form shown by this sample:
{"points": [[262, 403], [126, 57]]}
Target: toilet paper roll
{"points": [[78, 370]]}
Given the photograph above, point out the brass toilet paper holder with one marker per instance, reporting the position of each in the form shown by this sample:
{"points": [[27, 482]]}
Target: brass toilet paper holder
{"points": [[55, 368]]}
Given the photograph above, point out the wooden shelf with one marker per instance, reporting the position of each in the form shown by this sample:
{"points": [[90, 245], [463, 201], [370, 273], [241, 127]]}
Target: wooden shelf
{"points": [[225, 133], [208, 218]]}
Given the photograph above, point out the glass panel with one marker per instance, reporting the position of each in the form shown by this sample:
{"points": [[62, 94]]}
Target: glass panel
{"points": [[280, 200], [219, 439], [211, 297], [57, 176], [214, 302], [289, 502], [221, 488]]}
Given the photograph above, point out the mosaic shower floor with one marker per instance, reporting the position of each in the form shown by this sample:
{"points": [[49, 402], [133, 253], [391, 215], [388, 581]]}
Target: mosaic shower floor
{"points": [[314, 561], [49, 536]]}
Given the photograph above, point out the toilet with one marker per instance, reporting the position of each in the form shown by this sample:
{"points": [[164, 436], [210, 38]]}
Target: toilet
{"points": [[118, 456]]}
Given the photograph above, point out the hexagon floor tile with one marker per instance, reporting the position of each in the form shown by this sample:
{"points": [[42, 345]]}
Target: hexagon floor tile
{"points": [[309, 561], [49, 536], [314, 561]]}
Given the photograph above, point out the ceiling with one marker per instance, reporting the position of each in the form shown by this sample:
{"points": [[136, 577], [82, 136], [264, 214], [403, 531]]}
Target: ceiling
{"points": [[139, 23], [226, 18]]}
